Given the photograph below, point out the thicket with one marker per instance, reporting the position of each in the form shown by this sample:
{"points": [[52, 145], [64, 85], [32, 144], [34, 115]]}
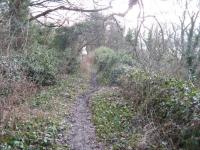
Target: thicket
{"points": [[41, 65], [167, 109], [111, 65], [38, 123], [24, 72], [171, 106], [65, 42]]}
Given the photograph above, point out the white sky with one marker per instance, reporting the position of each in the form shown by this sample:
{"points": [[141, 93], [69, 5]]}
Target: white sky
{"points": [[166, 11]]}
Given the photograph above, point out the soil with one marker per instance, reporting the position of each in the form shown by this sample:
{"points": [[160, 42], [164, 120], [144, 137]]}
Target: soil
{"points": [[82, 133]]}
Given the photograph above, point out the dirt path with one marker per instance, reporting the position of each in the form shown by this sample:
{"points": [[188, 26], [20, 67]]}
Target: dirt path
{"points": [[82, 133]]}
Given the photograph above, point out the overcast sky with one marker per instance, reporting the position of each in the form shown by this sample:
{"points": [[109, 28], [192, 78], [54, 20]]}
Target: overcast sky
{"points": [[165, 10]]}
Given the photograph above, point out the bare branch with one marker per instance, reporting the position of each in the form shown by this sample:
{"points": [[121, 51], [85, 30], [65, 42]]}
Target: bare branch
{"points": [[67, 8]]}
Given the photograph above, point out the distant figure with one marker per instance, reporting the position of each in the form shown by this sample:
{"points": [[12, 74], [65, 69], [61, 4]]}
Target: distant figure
{"points": [[84, 52], [86, 61]]}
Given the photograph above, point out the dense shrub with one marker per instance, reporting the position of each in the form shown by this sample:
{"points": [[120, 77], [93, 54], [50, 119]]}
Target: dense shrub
{"points": [[11, 67], [67, 61], [37, 134], [111, 65], [14, 87], [12, 94], [41, 35], [38, 123], [125, 58], [169, 108], [41, 65], [116, 72], [173, 105], [105, 58]]}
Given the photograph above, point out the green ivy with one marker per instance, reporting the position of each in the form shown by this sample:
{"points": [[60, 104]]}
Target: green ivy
{"points": [[112, 121]]}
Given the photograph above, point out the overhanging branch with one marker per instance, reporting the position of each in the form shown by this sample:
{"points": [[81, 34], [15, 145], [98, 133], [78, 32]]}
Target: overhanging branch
{"points": [[66, 8]]}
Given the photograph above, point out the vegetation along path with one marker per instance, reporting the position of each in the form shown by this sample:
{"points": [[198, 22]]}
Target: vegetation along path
{"points": [[82, 133]]}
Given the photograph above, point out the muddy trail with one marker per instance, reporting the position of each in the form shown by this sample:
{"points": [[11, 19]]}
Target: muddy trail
{"points": [[82, 133]]}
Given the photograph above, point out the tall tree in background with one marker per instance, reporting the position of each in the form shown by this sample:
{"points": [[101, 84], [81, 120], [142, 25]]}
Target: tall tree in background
{"points": [[15, 16], [18, 12]]}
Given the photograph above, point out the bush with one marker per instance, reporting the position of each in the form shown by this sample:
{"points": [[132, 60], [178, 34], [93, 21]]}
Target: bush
{"points": [[41, 65], [105, 58], [111, 65], [37, 134], [11, 67], [116, 73], [68, 62], [125, 58], [173, 105]]}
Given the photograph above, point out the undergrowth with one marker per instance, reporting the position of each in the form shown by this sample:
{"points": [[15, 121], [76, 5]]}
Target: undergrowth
{"points": [[169, 107], [112, 119], [38, 122], [166, 110], [111, 65]]}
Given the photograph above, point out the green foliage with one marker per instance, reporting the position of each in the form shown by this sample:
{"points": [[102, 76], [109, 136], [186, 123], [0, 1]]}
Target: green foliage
{"points": [[10, 71], [105, 58], [5, 91], [67, 61], [46, 111], [125, 58], [41, 35], [64, 37], [111, 65], [38, 134], [66, 41], [165, 100], [41, 65], [171, 104], [43, 100], [174, 97], [11, 67], [190, 137], [112, 120], [117, 72], [130, 36]]}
